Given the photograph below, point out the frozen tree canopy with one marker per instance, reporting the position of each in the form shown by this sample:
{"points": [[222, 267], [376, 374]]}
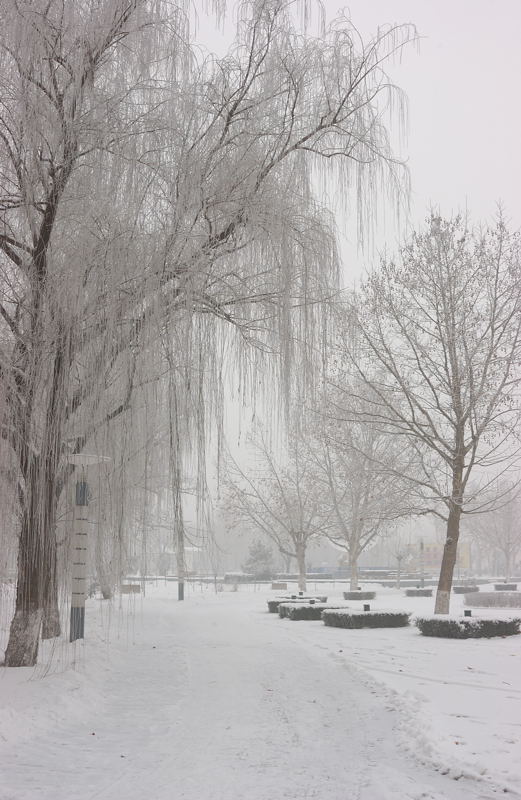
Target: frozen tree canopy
{"points": [[158, 222]]}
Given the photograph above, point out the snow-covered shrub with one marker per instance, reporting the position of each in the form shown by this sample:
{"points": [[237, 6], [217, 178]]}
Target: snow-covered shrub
{"points": [[418, 592], [505, 587], [450, 627], [465, 589], [359, 595], [239, 577], [408, 583], [493, 599], [343, 618], [299, 612], [286, 605], [273, 605]]}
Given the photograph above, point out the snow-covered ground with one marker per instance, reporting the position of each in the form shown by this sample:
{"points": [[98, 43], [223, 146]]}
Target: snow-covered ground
{"points": [[215, 699]]}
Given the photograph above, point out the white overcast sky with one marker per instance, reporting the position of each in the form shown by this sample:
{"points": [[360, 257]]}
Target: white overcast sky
{"points": [[464, 145], [463, 85]]}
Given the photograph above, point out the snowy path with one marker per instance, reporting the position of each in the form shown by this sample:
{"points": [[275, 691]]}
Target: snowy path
{"points": [[212, 705]]}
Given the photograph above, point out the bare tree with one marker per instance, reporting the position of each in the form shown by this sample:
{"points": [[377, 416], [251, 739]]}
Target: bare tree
{"points": [[499, 530], [443, 326], [360, 467], [401, 550], [279, 498]]}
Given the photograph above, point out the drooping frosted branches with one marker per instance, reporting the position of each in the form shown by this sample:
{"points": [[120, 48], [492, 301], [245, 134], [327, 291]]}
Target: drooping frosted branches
{"points": [[146, 197]]}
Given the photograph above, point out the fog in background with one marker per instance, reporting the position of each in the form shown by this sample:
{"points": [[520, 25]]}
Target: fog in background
{"points": [[463, 148]]}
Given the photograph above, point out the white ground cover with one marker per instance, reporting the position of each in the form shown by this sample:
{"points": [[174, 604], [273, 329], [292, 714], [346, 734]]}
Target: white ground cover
{"points": [[216, 699]]}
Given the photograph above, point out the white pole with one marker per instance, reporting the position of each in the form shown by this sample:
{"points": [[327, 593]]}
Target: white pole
{"points": [[80, 541]]}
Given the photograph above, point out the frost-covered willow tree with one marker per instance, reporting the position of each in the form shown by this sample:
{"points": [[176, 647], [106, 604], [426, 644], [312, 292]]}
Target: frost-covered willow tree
{"points": [[442, 323], [58, 114], [139, 184]]}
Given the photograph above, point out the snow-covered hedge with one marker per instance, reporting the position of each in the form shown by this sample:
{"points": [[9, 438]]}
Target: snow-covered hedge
{"points": [[465, 589], [273, 605], [286, 605], [239, 577], [450, 627], [340, 618], [493, 599], [300, 611], [405, 583], [418, 592], [505, 587], [359, 595]]}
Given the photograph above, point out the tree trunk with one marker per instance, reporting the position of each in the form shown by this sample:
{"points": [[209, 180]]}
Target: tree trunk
{"points": [[51, 627], [398, 571], [37, 589], [24, 634], [353, 564], [508, 567], [176, 481], [37, 584], [301, 566], [104, 571], [450, 552], [180, 556], [106, 582]]}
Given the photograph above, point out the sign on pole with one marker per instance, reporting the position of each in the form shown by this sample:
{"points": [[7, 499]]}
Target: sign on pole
{"points": [[80, 544]]}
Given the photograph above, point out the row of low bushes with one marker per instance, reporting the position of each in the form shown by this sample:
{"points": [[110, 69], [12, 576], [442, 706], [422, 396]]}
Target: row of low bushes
{"points": [[473, 599], [465, 583], [359, 595], [347, 618], [298, 611], [310, 576], [466, 627], [439, 626], [405, 584], [493, 599], [273, 605]]}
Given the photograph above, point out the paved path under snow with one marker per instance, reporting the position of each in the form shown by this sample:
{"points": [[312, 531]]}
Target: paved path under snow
{"points": [[221, 701]]}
